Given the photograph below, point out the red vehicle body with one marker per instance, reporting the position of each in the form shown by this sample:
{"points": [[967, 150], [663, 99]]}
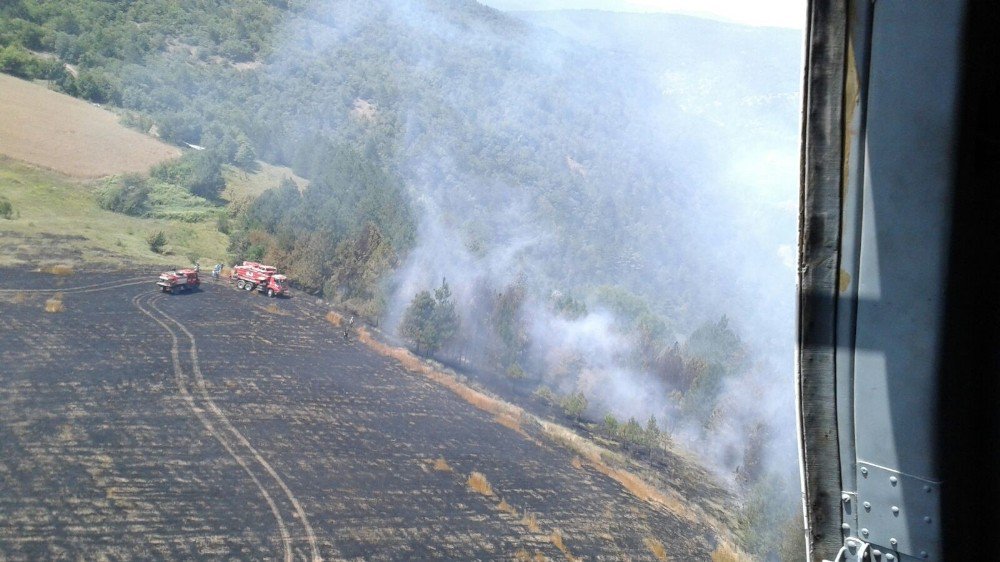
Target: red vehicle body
{"points": [[178, 280], [265, 278]]}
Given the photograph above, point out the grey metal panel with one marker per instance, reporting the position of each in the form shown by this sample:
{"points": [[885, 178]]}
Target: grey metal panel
{"points": [[899, 513], [909, 171], [910, 123]]}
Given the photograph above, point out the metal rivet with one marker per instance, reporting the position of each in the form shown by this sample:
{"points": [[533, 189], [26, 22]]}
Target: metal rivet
{"points": [[895, 510], [846, 528], [927, 518], [892, 542], [923, 554], [864, 471], [868, 506], [851, 544], [864, 532], [876, 553], [889, 556], [927, 488], [845, 497], [893, 480]]}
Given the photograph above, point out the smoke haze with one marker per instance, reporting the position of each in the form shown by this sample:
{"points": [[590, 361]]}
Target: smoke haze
{"points": [[579, 154]]}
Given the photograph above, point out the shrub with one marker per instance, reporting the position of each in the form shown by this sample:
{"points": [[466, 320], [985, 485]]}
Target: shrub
{"points": [[157, 241], [515, 372], [199, 172], [574, 405], [611, 425], [545, 394], [129, 195], [478, 482], [6, 208], [222, 224]]}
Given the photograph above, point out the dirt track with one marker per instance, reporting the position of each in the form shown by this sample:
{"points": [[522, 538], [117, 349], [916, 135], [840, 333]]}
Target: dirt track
{"points": [[213, 425]]}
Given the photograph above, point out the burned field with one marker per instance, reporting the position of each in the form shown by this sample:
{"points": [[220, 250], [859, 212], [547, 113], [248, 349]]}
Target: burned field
{"points": [[220, 424]]}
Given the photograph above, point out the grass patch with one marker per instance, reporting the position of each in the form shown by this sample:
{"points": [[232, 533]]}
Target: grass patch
{"points": [[65, 212], [241, 184], [273, 308], [725, 553], [335, 319], [530, 520], [442, 465], [479, 483], [556, 539], [507, 508], [55, 304], [656, 547], [61, 269], [173, 202]]}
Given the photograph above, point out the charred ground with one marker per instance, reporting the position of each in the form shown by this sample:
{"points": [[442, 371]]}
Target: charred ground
{"points": [[220, 424]]}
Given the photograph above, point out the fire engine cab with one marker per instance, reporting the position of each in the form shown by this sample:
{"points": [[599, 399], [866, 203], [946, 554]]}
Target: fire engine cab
{"points": [[178, 280]]}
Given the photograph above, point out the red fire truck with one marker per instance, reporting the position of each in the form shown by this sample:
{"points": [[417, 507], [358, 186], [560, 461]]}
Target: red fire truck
{"points": [[265, 278], [178, 280]]}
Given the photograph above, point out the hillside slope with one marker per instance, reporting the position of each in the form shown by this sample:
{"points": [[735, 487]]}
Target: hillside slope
{"points": [[69, 135]]}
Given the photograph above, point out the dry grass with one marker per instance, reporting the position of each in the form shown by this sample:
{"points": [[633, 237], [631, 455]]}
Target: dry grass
{"points": [[522, 555], [19, 298], [595, 456], [55, 304], [71, 136], [509, 421], [531, 522], [588, 453], [725, 553], [507, 508], [442, 465], [656, 547], [557, 540], [61, 269], [334, 318], [577, 462], [506, 414], [273, 309], [480, 484]]}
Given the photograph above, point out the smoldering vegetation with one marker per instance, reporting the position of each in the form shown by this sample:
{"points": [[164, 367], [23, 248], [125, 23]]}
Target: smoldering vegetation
{"points": [[599, 207]]}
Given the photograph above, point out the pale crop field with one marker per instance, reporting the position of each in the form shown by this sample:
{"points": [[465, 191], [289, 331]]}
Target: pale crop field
{"points": [[71, 136]]}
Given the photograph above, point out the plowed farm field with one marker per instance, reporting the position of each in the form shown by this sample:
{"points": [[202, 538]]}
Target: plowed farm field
{"points": [[219, 424]]}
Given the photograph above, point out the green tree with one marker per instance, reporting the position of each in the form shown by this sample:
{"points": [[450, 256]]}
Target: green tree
{"points": [[574, 405], [446, 321], [631, 432], [611, 425], [418, 323], [431, 320]]}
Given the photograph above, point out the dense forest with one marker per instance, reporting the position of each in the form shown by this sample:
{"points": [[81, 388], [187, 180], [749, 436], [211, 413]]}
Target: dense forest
{"points": [[587, 203]]}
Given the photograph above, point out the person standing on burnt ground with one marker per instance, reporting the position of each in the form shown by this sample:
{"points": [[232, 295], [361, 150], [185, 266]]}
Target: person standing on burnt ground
{"points": [[347, 328]]}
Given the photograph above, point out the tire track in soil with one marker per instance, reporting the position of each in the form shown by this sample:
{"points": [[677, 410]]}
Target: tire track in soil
{"points": [[85, 288], [227, 442]]}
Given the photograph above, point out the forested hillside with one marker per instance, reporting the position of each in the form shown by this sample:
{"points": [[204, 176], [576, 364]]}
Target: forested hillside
{"points": [[609, 199]]}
